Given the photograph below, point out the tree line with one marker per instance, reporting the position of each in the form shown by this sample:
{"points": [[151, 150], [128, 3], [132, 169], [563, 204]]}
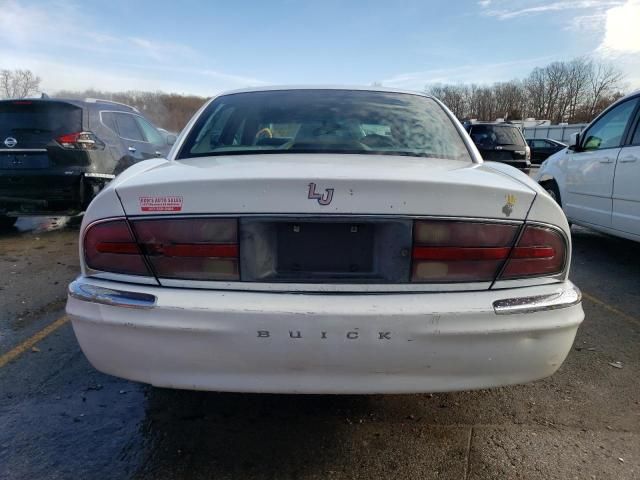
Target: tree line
{"points": [[574, 91], [170, 111]]}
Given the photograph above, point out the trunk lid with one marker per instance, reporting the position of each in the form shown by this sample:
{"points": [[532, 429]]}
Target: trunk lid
{"points": [[325, 184]]}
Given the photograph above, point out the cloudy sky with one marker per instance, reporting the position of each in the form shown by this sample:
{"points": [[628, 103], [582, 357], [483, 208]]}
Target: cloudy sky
{"points": [[203, 47]]}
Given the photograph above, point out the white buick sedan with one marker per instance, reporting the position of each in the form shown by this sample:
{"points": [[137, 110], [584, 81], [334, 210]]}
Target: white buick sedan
{"points": [[324, 240]]}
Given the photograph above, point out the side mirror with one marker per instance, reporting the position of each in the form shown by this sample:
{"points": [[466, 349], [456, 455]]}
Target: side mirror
{"points": [[574, 141], [171, 139]]}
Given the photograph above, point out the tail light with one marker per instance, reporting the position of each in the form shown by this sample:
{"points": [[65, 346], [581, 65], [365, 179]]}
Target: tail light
{"points": [[80, 141], [540, 251], [443, 251], [451, 251], [111, 247], [189, 249]]}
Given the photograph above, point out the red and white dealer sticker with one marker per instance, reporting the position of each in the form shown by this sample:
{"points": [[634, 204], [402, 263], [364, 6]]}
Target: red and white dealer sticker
{"points": [[161, 203]]}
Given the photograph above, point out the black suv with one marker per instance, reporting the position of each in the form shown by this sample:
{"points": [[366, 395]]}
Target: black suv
{"points": [[56, 155], [501, 142]]}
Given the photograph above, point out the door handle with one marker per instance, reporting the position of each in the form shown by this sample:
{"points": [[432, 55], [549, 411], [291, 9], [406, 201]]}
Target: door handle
{"points": [[629, 159], [158, 154], [606, 160], [132, 149]]}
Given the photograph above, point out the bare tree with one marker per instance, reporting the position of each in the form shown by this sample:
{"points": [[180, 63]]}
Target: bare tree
{"points": [[577, 78], [604, 80], [509, 98], [18, 83], [453, 96], [572, 91]]}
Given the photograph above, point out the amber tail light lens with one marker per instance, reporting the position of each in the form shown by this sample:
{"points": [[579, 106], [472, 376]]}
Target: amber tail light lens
{"points": [[456, 251], [189, 249]]}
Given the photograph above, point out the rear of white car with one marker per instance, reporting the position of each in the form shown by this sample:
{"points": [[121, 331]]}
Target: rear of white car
{"points": [[358, 255]]}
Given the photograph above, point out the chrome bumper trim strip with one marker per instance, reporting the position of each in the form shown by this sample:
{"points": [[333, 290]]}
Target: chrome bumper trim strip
{"points": [[560, 299], [99, 175], [108, 296]]}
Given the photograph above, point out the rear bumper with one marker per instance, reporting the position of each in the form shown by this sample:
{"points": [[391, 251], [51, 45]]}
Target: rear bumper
{"points": [[297, 343], [45, 191]]}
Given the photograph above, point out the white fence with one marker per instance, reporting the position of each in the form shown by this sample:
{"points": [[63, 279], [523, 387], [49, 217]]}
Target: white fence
{"points": [[562, 133]]}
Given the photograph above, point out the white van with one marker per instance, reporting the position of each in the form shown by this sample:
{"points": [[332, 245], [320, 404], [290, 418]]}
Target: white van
{"points": [[596, 179]]}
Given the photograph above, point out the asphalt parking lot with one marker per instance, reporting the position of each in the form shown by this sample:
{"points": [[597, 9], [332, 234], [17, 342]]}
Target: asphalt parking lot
{"points": [[59, 418]]}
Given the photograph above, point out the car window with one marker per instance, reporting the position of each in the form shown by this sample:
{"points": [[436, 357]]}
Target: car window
{"points": [[151, 134], [491, 135], [540, 144], [109, 120], [329, 121], [608, 130], [128, 127], [636, 136], [37, 122]]}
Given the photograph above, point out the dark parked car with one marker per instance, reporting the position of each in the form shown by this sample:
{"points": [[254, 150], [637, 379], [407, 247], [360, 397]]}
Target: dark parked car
{"points": [[542, 148], [501, 142], [56, 155]]}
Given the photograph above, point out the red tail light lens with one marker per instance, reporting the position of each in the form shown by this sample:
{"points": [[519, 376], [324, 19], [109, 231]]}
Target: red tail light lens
{"points": [[191, 248], [450, 251], [79, 141], [110, 247], [540, 251]]}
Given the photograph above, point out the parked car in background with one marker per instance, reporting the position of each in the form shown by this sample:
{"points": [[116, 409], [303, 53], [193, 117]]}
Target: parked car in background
{"points": [[325, 240], [543, 148], [56, 155], [501, 142], [596, 179]]}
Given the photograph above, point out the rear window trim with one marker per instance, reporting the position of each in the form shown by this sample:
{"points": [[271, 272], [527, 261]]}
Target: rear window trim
{"points": [[312, 152]]}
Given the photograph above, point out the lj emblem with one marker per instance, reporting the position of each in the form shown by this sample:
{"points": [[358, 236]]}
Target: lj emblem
{"points": [[324, 199]]}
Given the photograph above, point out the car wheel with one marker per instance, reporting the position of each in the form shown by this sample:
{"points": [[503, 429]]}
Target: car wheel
{"points": [[7, 222], [552, 189]]}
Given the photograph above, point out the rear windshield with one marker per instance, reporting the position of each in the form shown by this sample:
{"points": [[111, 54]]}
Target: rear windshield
{"points": [[325, 121], [496, 135], [30, 121]]}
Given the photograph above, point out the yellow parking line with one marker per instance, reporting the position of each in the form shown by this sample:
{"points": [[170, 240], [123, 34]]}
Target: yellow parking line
{"points": [[31, 341], [612, 309]]}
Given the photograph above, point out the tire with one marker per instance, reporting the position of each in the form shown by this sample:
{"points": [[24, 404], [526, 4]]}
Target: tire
{"points": [[7, 222], [552, 189]]}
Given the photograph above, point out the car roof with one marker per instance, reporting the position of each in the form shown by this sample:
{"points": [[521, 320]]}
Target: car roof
{"points": [[83, 103]]}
